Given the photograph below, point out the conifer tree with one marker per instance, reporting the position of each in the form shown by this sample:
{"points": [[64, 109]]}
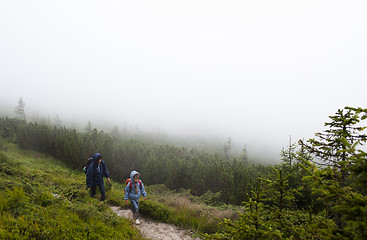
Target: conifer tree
{"points": [[227, 148], [88, 128], [19, 109], [342, 148], [329, 148], [244, 155]]}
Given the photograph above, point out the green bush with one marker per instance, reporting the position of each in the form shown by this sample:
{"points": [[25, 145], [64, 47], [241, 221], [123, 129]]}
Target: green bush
{"points": [[44, 199], [3, 157], [115, 194], [156, 211], [44, 216]]}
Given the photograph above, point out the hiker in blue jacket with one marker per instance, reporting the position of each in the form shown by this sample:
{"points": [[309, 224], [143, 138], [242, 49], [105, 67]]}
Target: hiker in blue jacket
{"points": [[95, 173], [133, 191]]}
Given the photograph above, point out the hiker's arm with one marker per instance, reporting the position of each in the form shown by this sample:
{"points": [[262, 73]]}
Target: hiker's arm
{"points": [[126, 196], [143, 191], [105, 172]]}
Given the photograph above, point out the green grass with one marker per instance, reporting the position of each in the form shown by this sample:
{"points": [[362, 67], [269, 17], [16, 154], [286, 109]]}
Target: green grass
{"points": [[184, 210], [40, 198]]}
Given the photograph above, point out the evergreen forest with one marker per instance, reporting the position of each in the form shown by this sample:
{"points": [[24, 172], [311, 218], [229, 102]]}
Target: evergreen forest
{"points": [[318, 191]]}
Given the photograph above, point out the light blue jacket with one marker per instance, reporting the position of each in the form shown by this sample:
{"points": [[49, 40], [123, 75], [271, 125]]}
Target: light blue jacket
{"points": [[130, 193]]}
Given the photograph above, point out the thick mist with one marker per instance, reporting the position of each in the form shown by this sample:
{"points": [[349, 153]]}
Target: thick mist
{"points": [[258, 72]]}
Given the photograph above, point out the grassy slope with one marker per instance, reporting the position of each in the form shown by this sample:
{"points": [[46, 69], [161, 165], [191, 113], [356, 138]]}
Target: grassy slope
{"points": [[42, 199]]}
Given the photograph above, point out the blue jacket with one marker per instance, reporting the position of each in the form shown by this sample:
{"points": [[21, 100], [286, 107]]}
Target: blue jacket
{"points": [[130, 192], [96, 173]]}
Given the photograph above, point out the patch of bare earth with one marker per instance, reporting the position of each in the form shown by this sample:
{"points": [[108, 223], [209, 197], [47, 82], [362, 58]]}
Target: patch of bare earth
{"points": [[155, 230]]}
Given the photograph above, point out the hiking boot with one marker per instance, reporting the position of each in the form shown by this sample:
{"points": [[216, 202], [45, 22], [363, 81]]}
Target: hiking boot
{"points": [[137, 221]]}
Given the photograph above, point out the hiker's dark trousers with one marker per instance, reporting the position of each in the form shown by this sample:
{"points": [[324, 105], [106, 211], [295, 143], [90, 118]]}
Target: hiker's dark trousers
{"points": [[101, 189]]}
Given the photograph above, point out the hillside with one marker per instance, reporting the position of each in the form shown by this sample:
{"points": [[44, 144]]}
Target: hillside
{"points": [[40, 198]]}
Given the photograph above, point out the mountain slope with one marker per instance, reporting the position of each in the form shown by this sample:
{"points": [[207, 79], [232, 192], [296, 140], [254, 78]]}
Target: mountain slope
{"points": [[40, 198]]}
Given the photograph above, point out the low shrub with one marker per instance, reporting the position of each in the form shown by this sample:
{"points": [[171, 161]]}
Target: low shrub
{"points": [[156, 211]]}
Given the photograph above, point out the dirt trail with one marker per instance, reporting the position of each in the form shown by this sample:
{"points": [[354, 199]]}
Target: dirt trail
{"points": [[155, 230]]}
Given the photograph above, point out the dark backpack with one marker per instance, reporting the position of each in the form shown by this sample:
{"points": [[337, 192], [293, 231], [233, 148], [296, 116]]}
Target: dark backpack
{"points": [[85, 168], [127, 182]]}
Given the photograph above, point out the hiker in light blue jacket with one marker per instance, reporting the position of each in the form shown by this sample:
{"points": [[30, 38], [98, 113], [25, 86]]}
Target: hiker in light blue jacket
{"points": [[133, 191]]}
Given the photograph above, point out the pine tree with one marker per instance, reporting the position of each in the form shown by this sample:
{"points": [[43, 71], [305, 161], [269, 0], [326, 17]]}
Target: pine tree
{"points": [[328, 149], [342, 148], [227, 148], [88, 128], [19, 109]]}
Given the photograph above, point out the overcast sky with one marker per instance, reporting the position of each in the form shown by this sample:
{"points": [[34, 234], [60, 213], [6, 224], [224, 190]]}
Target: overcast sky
{"points": [[256, 71]]}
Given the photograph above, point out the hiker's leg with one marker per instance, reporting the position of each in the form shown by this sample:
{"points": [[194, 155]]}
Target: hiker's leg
{"points": [[135, 205], [93, 190], [135, 208], [137, 214], [103, 191]]}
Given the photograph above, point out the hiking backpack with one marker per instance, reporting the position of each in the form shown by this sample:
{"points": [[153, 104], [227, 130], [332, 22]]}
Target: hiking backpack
{"points": [[127, 182], [85, 168]]}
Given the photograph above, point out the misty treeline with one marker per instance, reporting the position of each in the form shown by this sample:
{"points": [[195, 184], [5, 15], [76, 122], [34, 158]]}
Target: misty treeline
{"points": [[319, 191]]}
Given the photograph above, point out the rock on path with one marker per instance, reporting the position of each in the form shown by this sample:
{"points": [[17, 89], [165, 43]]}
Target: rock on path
{"points": [[154, 230]]}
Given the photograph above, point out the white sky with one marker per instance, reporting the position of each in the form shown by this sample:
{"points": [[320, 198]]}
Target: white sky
{"points": [[255, 71]]}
